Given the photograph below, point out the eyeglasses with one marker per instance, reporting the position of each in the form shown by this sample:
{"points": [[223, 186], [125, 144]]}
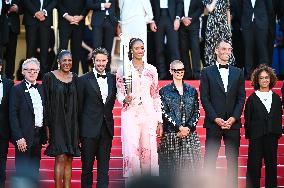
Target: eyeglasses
{"points": [[32, 71], [178, 70]]}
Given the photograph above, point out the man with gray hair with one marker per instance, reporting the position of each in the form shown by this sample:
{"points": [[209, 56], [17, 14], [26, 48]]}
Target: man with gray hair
{"points": [[26, 119]]}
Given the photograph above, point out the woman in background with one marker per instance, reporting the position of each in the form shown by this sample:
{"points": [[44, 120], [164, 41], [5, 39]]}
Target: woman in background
{"points": [[218, 27], [140, 114], [263, 128], [62, 111]]}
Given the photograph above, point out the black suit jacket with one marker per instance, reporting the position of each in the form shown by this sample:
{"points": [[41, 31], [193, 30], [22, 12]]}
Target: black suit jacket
{"points": [[258, 122], [72, 8], [195, 10], [92, 110], [281, 14], [99, 15], [263, 13], [4, 29], [235, 8], [14, 18], [21, 114], [32, 6], [4, 109], [218, 103], [174, 9]]}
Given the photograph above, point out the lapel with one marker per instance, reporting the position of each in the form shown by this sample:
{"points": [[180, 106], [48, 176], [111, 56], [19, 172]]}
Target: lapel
{"points": [[110, 86], [27, 95], [218, 78], [273, 103], [94, 83]]}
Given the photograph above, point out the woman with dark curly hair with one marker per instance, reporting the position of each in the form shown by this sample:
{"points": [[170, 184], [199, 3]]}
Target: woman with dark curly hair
{"points": [[263, 127]]}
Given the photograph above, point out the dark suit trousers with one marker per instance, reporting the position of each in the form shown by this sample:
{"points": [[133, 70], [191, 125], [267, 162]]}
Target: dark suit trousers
{"points": [[96, 148], [103, 37], [28, 162], [255, 42], [165, 28], [265, 148], [11, 55], [75, 34], [32, 32], [189, 40], [4, 144], [232, 143]]}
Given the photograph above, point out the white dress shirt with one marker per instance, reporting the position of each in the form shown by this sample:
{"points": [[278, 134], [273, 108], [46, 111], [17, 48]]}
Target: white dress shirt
{"points": [[164, 3], [253, 4], [1, 90], [186, 4], [266, 99], [37, 104], [103, 7], [102, 84], [224, 76]]}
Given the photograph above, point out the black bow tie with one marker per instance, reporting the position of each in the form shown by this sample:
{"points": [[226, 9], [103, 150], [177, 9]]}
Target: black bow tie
{"points": [[0, 81], [101, 75], [33, 86], [223, 66]]}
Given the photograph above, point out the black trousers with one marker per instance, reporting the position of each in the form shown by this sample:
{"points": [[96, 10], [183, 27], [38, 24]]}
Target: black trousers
{"points": [[10, 54], [96, 148], [165, 29], [255, 42], [4, 144], [28, 162], [189, 40], [264, 147], [103, 37], [33, 33], [75, 34], [231, 139]]}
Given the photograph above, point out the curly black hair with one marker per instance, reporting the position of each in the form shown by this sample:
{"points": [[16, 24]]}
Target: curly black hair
{"points": [[256, 73]]}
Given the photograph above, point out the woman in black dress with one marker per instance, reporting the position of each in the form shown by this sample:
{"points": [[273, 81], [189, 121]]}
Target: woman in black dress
{"points": [[263, 128], [61, 109], [218, 27]]}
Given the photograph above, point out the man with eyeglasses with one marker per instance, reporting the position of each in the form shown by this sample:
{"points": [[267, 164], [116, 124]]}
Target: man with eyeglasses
{"points": [[222, 94], [5, 86], [27, 121]]}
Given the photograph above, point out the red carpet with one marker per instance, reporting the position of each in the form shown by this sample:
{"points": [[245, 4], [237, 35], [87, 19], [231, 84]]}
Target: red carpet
{"points": [[115, 173]]}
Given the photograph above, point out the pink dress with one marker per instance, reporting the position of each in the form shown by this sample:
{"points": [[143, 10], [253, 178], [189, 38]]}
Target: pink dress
{"points": [[139, 122]]}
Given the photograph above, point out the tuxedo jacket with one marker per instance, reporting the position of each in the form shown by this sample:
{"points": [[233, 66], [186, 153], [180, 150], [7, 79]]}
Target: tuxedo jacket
{"points": [[281, 14], [92, 111], [32, 6], [258, 122], [218, 103], [195, 10], [174, 9], [99, 15], [263, 12], [4, 109], [21, 114], [72, 8]]}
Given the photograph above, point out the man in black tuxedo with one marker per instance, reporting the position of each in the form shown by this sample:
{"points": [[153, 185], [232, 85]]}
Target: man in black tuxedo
{"points": [[104, 23], [71, 26], [222, 94], [166, 23], [37, 20], [5, 86], [26, 116], [189, 37], [4, 30], [96, 101], [15, 8], [256, 26]]}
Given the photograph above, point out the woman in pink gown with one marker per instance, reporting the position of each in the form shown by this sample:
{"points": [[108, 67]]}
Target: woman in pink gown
{"points": [[140, 114]]}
